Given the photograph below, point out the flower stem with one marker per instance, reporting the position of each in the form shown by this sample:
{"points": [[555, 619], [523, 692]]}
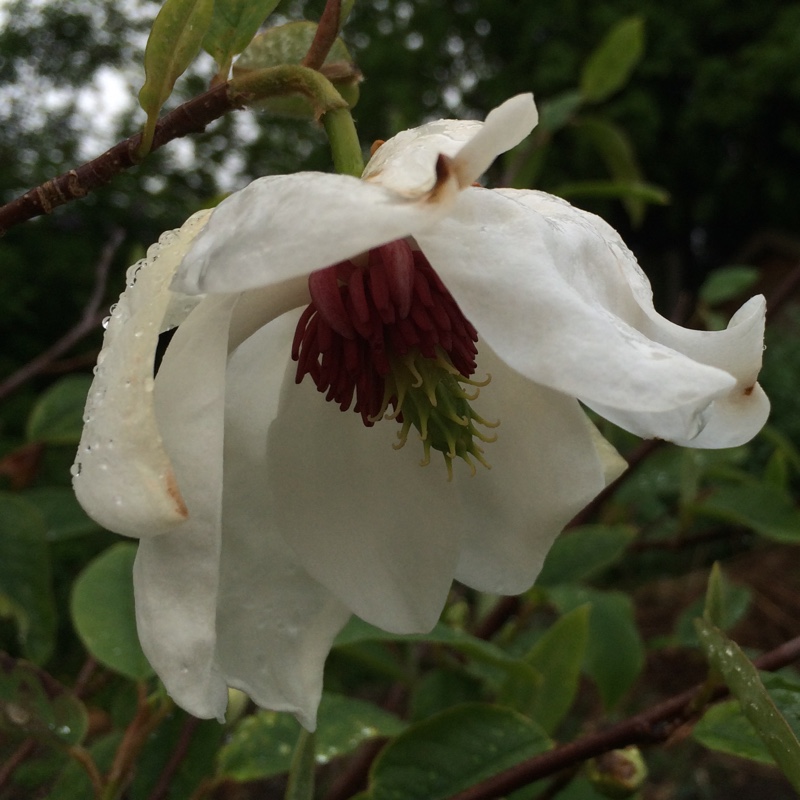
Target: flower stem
{"points": [[345, 147]]}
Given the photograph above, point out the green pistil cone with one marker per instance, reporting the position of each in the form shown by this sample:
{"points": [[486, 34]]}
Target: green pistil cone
{"points": [[432, 399]]}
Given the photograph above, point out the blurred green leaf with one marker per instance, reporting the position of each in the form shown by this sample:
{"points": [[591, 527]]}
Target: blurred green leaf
{"points": [[745, 685], [288, 44], [74, 783], [233, 26], [556, 112], [616, 150], [103, 612], [558, 657], [34, 704], [614, 653], [447, 753], [174, 41], [442, 688], [25, 576], [64, 518], [735, 601], [715, 607], [583, 552], [263, 744], [728, 283], [197, 763], [300, 785], [614, 189], [725, 728], [57, 417], [765, 508], [610, 66]]}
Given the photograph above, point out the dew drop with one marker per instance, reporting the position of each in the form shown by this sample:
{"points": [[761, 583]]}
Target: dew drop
{"points": [[75, 469], [105, 322]]}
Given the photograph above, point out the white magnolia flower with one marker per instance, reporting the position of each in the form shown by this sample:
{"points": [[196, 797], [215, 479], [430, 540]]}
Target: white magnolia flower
{"points": [[266, 515]]}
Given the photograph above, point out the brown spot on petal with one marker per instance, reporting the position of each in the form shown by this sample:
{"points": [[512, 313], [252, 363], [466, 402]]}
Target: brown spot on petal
{"points": [[748, 391], [175, 493], [444, 173]]}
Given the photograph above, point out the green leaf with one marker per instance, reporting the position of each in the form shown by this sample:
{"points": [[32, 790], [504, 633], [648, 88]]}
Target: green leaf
{"points": [[26, 592], [735, 602], [447, 753], [557, 657], [616, 150], [765, 508], [715, 602], [614, 653], [233, 26], [728, 283], [63, 516], [74, 783], [584, 552], [57, 417], [174, 41], [262, 744], [556, 112], [610, 66], [614, 189], [288, 44], [34, 704], [725, 728], [103, 612], [743, 680], [196, 764]]}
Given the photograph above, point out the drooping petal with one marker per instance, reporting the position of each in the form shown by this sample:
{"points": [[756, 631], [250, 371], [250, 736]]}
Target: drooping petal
{"points": [[283, 227], [406, 162], [275, 623], [176, 576], [520, 279], [122, 475], [545, 468], [380, 532]]}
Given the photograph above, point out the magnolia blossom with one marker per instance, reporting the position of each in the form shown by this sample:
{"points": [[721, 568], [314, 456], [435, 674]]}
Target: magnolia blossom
{"points": [[266, 515]]}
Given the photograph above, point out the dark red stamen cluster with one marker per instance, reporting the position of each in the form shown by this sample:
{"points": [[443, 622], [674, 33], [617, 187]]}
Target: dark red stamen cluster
{"points": [[362, 315]]}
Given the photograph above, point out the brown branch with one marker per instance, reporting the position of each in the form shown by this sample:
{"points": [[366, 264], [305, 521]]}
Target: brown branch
{"points": [[650, 727], [324, 36], [190, 117], [88, 323], [784, 293]]}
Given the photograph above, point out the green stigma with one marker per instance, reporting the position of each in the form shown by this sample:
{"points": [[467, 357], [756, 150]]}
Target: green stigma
{"points": [[429, 394]]}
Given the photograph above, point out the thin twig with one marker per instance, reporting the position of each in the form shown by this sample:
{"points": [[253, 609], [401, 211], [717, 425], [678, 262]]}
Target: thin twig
{"points": [[191, 117], [84, 758], [649, 727], [162, 787], [87, 323], [324, 36]]}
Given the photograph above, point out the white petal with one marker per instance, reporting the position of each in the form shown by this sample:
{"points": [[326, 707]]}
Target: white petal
{"points": [[283, 227], [379, 531], [505, 127], [407, 162], [176, 575], [124, 479], [545, 468], [275, 623], [521, 278]]}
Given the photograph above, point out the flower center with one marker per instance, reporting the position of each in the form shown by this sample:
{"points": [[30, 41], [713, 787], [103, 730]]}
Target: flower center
{"points": [[382, 330]]}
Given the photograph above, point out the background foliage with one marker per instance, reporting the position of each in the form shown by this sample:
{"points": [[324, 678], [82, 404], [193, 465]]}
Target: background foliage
{"points": [[684, 132]]}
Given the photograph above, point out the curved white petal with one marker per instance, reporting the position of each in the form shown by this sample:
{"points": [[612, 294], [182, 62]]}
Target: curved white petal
{"points": [[176, 575], [520, 278], [122, 475], [283, 227], [379, 531], [406, 163], [275, 623], [545, 468], [505, 127]]}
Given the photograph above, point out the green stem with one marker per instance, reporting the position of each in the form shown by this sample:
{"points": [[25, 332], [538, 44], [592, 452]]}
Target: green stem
{"points": [[345, 147], [301, 771]]}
